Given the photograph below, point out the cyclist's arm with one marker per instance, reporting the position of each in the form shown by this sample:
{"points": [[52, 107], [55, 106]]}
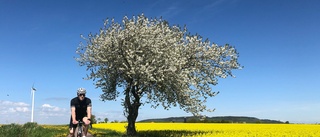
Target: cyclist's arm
{"points": [[73, 113], [73, 110], [89, 112], [89, 108]]}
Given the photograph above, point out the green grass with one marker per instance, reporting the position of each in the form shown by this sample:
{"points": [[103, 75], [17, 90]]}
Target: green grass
{"points": [[29, 130], [96, 132], [34, 130]]}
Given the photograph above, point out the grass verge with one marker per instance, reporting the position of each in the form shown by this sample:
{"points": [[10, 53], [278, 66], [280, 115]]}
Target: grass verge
{"points": [[34, 130], [30, 130]]}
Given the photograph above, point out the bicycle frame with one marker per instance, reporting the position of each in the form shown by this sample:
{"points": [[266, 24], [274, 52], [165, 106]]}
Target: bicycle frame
{"points": [[79, 129]]}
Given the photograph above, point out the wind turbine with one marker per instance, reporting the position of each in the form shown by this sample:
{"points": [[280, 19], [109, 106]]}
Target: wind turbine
{"points": [[32, 93]]}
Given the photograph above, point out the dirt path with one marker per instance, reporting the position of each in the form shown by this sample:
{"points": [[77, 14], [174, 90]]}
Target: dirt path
{"points": [[88, 135]]}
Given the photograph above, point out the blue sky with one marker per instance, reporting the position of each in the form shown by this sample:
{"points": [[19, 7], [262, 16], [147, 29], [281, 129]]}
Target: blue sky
{"points": [[278, 42]]}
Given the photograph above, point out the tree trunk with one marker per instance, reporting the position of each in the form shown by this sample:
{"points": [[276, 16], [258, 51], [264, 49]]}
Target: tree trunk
{"points": [[131, 128], [132, 105]]}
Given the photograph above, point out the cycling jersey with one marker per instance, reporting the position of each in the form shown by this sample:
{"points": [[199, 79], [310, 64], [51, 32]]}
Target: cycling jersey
{"points": [[81, 106]]}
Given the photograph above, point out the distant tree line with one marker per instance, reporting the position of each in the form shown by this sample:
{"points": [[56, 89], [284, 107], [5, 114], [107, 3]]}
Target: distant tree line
{"points": [[224, 119], [195, 120], [95, 120]]}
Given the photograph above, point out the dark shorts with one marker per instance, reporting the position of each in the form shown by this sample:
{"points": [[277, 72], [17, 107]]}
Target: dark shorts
{"points": [[71, 125]]}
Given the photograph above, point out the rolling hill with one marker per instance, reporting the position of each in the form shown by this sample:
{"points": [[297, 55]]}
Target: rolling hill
{"points": [[217, 119]]}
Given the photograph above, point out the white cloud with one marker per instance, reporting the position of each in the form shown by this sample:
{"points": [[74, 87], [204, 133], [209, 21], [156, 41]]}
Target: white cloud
{"points": [[8, 107], [49, 114], [20, 112], [14, 112], [9, 103], [48, 110], [21, 109]]}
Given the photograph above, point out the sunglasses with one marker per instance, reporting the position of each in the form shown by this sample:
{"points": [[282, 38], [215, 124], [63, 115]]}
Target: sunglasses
{"points": [[82, 95]]}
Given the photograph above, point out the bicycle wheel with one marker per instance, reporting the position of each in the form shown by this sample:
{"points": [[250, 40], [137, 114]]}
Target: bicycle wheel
{"points": [[78, 132]]}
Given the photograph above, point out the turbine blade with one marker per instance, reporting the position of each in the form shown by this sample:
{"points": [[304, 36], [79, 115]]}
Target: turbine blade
{"points": [[33, 87]]}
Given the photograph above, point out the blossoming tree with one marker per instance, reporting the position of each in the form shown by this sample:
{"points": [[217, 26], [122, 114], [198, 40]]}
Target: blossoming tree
{"points": [[154, 63]]}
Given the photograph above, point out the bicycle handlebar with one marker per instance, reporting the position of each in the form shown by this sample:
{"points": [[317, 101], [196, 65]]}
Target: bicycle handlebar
{"points": [[81, 122]]}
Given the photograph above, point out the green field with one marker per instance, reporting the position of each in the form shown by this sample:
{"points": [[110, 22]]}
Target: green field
{"points": [[33, 130]]}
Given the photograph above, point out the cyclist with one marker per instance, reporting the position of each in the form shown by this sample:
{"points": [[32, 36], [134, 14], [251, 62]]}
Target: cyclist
{"points": [[80, 110]]}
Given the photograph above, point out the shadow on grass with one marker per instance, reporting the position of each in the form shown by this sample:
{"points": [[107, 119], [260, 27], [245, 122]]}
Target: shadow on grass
{"points": [[151, 133], [105, 133]]}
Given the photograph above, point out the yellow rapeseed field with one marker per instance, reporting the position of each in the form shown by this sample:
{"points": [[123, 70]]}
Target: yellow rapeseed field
{"points": [[224, 130]]}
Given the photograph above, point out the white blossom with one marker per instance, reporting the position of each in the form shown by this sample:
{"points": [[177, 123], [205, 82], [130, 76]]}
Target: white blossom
{"points": [[165, 63]]}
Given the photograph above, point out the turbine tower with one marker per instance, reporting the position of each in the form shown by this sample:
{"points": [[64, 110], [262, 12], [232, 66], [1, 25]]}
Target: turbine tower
{"points": [[32, 93]]}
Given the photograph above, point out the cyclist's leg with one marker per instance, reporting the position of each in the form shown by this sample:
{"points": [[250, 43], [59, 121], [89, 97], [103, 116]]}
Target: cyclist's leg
{"points": [[76, 131], [72, 128], [85, 125]]}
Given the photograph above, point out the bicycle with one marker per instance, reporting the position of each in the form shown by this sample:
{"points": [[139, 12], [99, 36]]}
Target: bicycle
{"points": [[79, 133]]}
